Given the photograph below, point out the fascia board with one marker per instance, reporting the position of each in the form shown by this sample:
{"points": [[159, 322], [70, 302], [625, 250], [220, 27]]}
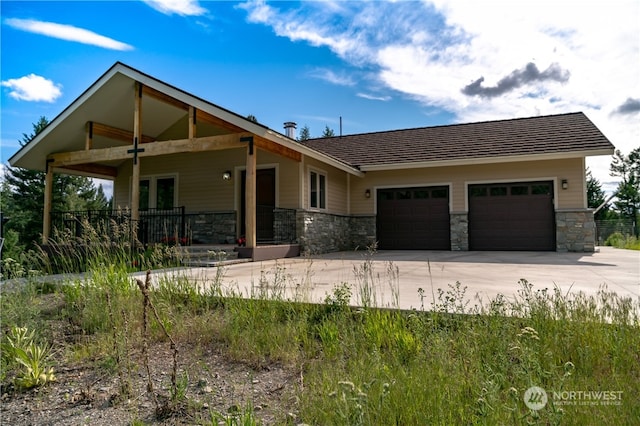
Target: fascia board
{"points": [[487, 160]]}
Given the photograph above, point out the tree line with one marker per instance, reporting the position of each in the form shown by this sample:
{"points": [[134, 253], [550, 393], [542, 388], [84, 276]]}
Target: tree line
{"points": [[22, 200]]}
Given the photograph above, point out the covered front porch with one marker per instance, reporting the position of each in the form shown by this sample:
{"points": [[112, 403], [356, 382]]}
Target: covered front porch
{"points": [[276, 234], [185, 171]]}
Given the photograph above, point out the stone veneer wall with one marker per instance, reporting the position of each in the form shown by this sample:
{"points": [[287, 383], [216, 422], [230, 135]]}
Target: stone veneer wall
{"points": [[212, 227], [320, 232], [459, 225], [575, 231]]}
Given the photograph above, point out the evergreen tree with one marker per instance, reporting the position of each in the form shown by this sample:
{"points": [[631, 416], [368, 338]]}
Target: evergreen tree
{"points": [[328, 132], [628, 191], [596, 197], [23, 195], [305, 133]]}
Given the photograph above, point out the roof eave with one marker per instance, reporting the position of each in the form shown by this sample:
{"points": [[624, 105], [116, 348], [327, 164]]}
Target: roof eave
{"points": [[485, 160], [309, 152]]}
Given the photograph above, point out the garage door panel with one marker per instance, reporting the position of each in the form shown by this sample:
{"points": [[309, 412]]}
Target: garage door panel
{"points": [[413, 218], [516, 216]]}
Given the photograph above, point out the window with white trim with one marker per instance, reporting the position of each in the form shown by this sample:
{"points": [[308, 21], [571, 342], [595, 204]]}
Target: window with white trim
{"points": [[317, 190], [158, 192]]}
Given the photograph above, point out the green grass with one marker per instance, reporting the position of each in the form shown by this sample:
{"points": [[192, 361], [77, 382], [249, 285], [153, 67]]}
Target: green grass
{"points": [[444, 364], [621, 241]]}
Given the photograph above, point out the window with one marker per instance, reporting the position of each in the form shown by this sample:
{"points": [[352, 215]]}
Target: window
{"points": [[157, 193], [318, 192]]}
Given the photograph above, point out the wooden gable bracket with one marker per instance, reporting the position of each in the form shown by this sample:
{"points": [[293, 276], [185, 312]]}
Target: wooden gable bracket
{"points": [[198, 115], [111, 132], [93, 169], [276, 148]]}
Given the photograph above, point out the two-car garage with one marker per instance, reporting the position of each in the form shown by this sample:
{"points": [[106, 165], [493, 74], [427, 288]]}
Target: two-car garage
{"points": [[501, 216]]}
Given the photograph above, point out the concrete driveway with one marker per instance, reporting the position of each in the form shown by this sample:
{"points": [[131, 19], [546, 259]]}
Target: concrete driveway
{"points": [[395, 277]]}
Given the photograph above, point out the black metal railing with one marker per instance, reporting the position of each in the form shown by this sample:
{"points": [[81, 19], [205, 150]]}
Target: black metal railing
{"points": [[166, 226], [275, 225], [154, 225]]}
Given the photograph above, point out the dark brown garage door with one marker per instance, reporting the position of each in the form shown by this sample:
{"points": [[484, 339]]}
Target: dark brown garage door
{"points": [[514, 216], [413, 218]]}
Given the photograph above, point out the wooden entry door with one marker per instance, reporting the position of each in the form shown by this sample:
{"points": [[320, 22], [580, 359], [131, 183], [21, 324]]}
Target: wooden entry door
{"points": [[265, 204]]}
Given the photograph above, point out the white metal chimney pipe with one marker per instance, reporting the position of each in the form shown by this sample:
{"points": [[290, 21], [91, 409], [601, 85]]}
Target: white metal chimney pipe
{"points": [[290, 129]]}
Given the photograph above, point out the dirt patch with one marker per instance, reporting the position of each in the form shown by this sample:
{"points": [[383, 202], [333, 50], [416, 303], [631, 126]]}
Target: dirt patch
{"points": [[87, 394]]}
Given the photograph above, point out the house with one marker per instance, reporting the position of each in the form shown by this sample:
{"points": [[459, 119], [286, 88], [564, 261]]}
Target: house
{"points": [[183, 165]]}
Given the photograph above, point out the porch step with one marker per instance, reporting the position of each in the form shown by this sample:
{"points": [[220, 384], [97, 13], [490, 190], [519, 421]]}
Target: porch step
{"points": [[209, 255]]}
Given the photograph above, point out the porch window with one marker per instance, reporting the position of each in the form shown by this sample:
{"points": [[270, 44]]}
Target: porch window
{"points": [[318, 192], [157, 193]]}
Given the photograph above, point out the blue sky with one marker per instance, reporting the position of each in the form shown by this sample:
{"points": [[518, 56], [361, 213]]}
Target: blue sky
{"points": [[378, 65]]}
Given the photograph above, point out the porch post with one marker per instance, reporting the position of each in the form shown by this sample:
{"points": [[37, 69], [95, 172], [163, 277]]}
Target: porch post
{"points": [[250, 196], [48, 196], [135, 175]]}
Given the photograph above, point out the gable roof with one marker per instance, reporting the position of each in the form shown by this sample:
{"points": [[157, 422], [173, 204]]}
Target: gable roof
{"points": [[109, 101], [547, 137]]}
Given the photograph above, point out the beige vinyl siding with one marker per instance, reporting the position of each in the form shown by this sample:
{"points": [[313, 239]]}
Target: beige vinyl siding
{"points": [[336, 185], [199, 178], [460, 176], [287, 178]]}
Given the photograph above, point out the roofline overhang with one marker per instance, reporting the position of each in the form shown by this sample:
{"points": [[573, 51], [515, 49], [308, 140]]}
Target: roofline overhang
{"points": [[485, 160], [222, 113], [304, 150]]}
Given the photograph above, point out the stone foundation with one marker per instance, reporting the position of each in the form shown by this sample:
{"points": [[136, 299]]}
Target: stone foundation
{"points": [[575, 231], [320, 232], [459, 226], [212, 227]]}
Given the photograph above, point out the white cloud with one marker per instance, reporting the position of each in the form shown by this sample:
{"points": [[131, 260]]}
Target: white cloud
{"points": [[373, 97], [178, 7], [430, 50], [33, 88], [67, 32], [340, 79]]}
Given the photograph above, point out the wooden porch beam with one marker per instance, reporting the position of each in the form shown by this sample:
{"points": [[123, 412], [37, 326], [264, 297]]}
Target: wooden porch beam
{"points": [[163, 97], [48, 197], [88, 142], [115, 133], [192, 122], [152, 149], [250, 195], [135, 171], [276, 148], [93, 169], [218, 122]]}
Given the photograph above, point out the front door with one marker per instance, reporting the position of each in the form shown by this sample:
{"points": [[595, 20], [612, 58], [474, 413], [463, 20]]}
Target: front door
{"points": [[265, 204]]}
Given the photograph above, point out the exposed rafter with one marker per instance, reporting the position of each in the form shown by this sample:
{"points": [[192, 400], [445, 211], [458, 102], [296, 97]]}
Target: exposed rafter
{"points": [[156, 94], [93, 169], [115, 133]]}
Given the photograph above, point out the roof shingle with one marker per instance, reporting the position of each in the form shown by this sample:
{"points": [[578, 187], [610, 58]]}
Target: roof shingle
{"points": [[561, 134]]}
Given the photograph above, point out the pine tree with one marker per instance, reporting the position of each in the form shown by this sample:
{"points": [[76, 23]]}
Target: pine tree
{"points": [[305, 133], [23, 197], [628, 191], [328, 132], [596, 197]]}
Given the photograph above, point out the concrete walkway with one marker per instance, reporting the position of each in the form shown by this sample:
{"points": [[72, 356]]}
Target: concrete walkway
{"points": [[395, 277]]}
